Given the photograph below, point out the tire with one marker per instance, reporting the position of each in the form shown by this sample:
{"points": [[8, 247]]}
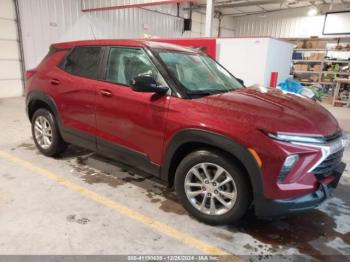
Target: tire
{"points": [[43, 117], [235, 194]]}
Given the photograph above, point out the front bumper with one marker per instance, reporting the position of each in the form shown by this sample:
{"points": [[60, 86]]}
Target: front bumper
{"points": [[272, 208]]}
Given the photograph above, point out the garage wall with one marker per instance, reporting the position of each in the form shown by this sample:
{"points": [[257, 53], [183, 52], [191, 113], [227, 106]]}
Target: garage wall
{"points": [[287, 23], [44, 22], [10, 64], [219, 30]]}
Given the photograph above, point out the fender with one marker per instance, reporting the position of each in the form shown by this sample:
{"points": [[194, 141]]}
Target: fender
{"points": [[219, 141], [42, 96]]}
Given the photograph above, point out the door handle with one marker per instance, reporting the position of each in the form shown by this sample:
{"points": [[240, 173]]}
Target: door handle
{"points": [[55, 81], [106, 93]]}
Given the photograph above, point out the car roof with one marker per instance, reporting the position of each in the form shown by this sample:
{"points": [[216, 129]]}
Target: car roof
{"points": [[154, 43]]}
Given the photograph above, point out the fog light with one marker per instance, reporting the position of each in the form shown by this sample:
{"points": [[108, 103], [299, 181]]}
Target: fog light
{"points": [[288, 164]]}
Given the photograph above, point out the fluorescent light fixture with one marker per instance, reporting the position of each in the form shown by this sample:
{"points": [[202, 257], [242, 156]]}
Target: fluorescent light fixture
{"points": [[312, 11]]}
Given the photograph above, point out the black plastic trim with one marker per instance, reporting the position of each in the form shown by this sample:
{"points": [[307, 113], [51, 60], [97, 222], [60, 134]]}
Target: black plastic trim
{"points": [[78, 138], [239, 151], [280, 207], [43, 97], [127, 156]]}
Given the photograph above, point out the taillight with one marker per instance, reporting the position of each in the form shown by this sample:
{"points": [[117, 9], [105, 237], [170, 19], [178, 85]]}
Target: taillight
{"points": [[30, 73]]}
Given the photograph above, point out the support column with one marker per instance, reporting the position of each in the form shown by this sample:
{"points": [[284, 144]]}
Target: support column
{"points": [[209, 16]]}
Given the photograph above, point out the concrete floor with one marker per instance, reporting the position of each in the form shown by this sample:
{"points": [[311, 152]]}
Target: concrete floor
{"points": [[83, 204]]}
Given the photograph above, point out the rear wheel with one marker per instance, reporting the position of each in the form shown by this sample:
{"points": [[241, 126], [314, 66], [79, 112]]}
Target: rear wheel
{"points": [[46, 134], [212, 188]]}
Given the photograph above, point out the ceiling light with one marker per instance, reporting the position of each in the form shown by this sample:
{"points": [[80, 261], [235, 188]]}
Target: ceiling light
{"points": [[312, 11]]}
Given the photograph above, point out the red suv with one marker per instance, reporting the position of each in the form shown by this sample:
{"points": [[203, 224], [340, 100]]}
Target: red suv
{"points": [[175, 113]]}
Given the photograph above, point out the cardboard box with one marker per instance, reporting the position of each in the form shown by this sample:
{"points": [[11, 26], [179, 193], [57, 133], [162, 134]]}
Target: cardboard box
{"points": [[313, 43], [301, 67], [314, 78], [316, 56], [316, 68], [300, 44]]}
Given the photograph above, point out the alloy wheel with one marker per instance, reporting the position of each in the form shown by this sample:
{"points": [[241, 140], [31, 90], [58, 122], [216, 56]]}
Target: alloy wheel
{"points": [[43, 132], [210, 189]]}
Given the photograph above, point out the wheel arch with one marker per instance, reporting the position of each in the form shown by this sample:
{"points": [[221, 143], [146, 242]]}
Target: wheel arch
{"points": [[188, 140], [38, 99]]}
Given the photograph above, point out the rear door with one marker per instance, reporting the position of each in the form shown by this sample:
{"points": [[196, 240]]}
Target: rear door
{"points": [[75, 94], [131, 124]]}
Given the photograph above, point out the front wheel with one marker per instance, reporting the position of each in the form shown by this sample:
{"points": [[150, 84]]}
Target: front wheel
{"points": [[212, 188], [46, 134]]}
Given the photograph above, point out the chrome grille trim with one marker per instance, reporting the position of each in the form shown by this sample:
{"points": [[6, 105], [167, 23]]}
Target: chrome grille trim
{"points": [[327, 149]]}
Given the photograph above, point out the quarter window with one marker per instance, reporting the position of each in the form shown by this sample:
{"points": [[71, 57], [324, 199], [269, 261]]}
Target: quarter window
{"points": [[83, 61], [126, 63]]}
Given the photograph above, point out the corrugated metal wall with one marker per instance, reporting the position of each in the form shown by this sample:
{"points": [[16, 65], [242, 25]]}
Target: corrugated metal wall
{"points": [[44, 22], [198, 26], [48, 21], [287, 23]]}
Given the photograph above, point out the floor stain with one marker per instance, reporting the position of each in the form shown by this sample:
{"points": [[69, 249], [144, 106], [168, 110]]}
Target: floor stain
{"points": [[307, 232], [102, 178], [27, 146], [160, 194], [222, 235], [170, 204], [81, 221], [76, 152], [8, 176]]}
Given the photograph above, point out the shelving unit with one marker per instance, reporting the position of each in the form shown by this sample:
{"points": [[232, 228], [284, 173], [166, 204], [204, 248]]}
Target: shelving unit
{"points": [[339, 82], [328, 55]]}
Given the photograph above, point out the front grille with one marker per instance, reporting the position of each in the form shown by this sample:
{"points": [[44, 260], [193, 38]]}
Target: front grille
{"points": [[328, 165]]}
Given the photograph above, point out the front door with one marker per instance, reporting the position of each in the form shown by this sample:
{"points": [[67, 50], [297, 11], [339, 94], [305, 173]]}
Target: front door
{"points": [[130, 125]]}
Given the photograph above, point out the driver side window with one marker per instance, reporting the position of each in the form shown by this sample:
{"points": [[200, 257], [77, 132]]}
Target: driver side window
{"points": [[126, 63]]}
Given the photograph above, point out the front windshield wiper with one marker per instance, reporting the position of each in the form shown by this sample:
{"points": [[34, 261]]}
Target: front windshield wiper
{"points": [[207, 92], [199, 93]]}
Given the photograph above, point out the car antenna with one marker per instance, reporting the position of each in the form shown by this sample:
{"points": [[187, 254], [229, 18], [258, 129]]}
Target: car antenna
{"points": [[92, 31]]}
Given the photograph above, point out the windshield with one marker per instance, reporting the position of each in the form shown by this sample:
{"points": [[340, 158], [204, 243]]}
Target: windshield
{"points": [[199, 74]]}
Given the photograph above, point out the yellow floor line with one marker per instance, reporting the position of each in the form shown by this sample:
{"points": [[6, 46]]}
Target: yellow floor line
{"points": [[148, 221]]}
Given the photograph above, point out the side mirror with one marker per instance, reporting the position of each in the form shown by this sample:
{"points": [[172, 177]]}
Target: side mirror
{"points": [[147, 84], [240, 81]]}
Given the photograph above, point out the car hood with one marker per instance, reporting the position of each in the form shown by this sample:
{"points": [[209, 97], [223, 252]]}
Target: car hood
{"points": [[273, 110]]}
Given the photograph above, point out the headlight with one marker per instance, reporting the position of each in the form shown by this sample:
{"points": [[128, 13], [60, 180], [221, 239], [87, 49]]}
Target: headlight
{"points": [[298, 139], [288, 164]]}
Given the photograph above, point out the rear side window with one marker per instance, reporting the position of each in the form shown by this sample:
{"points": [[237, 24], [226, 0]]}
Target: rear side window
{"points": [[83, 61]]}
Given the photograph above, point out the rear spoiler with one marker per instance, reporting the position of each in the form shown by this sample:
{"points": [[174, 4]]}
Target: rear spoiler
{"points": [[53, 49]]}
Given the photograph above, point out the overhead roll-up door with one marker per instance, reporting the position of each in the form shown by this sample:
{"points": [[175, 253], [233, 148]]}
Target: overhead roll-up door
{"points": [[10, 62]]}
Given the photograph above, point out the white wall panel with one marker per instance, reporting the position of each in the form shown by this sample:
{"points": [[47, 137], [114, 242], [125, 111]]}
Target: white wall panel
{"points": [[10, 70], [10, 64], [9, 50], [8, 29], [286, 23], [7, 9], [254, 59]]}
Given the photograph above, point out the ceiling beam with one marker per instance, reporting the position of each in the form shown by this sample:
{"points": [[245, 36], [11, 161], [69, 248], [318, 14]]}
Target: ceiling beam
{"points": [[243, 4], [135, 4]]}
